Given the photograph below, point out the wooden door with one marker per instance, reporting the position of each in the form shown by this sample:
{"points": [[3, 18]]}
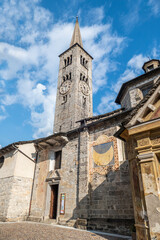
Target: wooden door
{"points": [[53, 202]]}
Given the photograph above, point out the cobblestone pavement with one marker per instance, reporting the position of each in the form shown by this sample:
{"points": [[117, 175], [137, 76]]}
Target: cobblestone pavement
{"points": [[39, 231]]}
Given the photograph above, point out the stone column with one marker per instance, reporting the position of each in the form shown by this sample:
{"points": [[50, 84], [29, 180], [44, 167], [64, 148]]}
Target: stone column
{"points": [[151, 194]]}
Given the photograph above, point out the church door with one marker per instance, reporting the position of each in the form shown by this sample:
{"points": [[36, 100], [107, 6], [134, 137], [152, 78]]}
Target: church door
{"points": [[53, 202]]}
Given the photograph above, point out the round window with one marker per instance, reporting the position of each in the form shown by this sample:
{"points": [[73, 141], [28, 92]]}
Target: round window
{"points": [[1, 161]]}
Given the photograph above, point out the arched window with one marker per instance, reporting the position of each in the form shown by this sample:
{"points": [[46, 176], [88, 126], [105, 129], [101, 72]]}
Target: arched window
{"points": [[81, 59], [67, 60], [64, 78], [70, 75], [83, 78], [67, 76], [70, 59]]}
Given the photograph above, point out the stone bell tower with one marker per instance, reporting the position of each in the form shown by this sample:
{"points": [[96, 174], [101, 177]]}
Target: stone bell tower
{"points": [[74, 90]]}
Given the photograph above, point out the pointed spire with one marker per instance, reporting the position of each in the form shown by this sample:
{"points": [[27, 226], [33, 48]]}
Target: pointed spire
{"points": [[76, 37]]}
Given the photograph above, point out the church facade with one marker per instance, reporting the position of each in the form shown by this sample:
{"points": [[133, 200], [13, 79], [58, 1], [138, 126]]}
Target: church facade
{"points": [[80, 176]]}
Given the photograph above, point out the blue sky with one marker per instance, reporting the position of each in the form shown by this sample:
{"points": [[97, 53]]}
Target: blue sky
{"points": [[120, 34]]}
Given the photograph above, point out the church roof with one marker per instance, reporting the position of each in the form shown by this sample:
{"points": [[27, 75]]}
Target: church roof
{"points": [[76, 37]]}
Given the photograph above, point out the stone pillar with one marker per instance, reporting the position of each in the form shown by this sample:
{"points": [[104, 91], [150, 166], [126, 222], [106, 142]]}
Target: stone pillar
{"points": [[137, 192], [151, 192]]}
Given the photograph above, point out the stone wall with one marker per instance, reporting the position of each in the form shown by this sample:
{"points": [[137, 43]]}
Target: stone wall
{"points": [[133, 93], [110, 199], [15, 198]]}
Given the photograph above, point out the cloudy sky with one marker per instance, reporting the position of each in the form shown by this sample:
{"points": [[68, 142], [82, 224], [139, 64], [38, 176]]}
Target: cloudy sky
{"points": [[120, 34]]}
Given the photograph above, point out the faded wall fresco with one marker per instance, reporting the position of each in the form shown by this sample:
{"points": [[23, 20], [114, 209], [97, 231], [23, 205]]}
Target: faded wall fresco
{"points": [[103, 155]]}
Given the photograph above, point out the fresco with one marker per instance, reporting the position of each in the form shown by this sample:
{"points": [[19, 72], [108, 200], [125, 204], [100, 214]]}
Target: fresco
{"points": [[103, 154]]}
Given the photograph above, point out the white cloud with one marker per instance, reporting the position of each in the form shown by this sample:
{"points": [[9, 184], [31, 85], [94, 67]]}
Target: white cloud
{"points": [[155, 6], [32, 60], [107, 103], [137, 61], [134, 67], [96, 14]]}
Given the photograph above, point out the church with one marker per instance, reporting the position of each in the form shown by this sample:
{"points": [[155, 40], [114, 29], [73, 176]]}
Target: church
{"points": [[94, 172]]}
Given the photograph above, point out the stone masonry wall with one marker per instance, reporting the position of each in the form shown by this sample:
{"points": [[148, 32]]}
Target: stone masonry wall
{"points": [[110, 199], [15, 198]]}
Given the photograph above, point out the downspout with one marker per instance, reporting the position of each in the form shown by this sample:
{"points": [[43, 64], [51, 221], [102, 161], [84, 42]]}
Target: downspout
{"points": [[33, 184]]}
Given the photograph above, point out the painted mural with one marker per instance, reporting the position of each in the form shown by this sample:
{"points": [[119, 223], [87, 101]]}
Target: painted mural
{"points": [[103, 154]]}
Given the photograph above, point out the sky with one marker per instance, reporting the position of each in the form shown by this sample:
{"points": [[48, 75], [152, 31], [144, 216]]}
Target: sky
{"points": [[120, 35]]}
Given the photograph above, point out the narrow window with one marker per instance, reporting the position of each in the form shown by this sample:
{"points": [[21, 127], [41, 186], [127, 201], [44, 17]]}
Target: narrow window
{"points": [[67, 76], [64, 99], [84, 101], [81, 59], [58, 156], [83, 78], [86, 65], [86, 79], [80, 76], [70, 75], [64, 79], [67, 60], [70, 59]]}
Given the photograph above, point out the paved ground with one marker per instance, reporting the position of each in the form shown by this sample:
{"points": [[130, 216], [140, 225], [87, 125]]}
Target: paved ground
{"points": [[39, 231]]}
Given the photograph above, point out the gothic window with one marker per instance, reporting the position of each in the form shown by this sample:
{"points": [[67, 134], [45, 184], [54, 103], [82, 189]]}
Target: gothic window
{"points": [[70, 59], [80, 76], [81, 59], [84, 101], [70, 75], [64, 99], [67, 76], [58, 157], [67, 60], [64, 79]]}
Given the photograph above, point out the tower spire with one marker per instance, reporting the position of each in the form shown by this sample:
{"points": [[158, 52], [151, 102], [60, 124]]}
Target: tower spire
{"points": [[76, 37]]}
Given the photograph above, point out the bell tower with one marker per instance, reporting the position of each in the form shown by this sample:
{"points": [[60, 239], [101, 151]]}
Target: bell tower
{"points": [[74, 90]]}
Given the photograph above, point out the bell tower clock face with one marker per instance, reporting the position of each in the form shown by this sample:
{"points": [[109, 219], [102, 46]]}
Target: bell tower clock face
{"points": [[84, 88], [65, 87]]}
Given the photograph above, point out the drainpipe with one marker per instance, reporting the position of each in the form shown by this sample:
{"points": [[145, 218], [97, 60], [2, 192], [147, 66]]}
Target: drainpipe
{"points": [[33, 184]]}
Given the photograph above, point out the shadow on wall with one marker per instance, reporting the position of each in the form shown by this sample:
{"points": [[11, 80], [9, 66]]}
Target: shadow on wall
{"points": [[108, 205]]}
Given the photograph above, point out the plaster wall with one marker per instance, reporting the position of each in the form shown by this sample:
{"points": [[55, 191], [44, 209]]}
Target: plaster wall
{"points": [[8, 168], [24, 166]]}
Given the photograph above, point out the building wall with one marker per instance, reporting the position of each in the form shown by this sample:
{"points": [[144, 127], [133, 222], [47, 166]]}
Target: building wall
{"points": [[134, 92], [16, 177], [110, 200]]}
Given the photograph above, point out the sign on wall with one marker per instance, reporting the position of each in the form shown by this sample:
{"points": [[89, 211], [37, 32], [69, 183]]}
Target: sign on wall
{"points": [[62, 203]]}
